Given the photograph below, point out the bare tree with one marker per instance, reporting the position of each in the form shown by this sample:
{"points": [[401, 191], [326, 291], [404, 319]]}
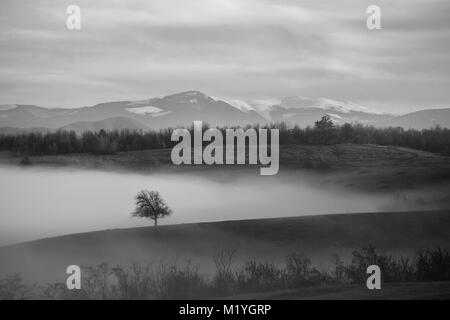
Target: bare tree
{"points": [[224, 279], [149, 204], [13, 288]]}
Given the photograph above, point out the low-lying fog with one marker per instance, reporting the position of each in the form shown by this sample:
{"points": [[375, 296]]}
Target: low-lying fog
{"points": [[37, 202]]}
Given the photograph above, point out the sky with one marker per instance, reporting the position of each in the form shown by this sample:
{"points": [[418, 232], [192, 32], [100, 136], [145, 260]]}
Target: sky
{"points": [[240, 49]]}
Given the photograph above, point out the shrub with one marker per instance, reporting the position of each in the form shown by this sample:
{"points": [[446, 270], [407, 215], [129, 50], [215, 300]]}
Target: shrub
{"points": [[393, 268], [136, 283], [224, 280], [257, 276], [174, 282], [433, 265], [12, 287], [300, 273]]}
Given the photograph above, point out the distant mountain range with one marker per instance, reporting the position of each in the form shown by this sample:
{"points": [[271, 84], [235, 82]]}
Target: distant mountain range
{"points": [[181, 109]]}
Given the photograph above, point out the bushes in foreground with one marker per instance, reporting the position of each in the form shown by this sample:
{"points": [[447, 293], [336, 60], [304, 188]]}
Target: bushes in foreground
{"points": [[184, 281], [13, 287]]}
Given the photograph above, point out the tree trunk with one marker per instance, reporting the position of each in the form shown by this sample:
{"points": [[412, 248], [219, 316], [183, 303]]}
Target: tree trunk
{"points": [[156, 221]]}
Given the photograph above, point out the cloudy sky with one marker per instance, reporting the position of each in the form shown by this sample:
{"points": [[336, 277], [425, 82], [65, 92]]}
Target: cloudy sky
{"points": [[243, 49]]}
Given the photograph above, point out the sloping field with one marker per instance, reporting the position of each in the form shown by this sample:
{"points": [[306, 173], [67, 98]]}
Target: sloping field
{"points": [[319, 237]]}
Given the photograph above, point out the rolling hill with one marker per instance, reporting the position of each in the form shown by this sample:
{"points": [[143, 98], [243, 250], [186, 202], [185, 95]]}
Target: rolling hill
{"points": [[423, 119], [319, 237]]}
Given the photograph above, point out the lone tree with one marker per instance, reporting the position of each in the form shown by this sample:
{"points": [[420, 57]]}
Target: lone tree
{"points": [[149, 204], [325, 123], [325, 130]]}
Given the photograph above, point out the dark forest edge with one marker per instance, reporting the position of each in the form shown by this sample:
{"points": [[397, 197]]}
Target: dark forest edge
{"points": [[324, 132], [170, 280]]}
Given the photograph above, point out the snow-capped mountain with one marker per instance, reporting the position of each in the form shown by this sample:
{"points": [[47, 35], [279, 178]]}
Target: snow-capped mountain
{"points": [[303, 111], [181, 109]]}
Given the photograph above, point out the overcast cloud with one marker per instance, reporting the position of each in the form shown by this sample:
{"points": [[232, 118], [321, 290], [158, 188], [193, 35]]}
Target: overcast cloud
{"points": [[243, 49]]}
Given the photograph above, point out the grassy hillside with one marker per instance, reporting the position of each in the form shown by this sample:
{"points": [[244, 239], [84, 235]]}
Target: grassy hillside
{"points": [[291, 156], [362, 167], [267, 239]]}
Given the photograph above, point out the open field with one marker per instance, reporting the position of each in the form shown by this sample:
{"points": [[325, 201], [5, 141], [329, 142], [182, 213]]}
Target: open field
{"points": [[362, 167], [319, 237], [421, 178]]}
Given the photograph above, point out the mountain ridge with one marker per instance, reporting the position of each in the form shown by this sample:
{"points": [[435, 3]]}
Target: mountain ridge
{"points": [[181, 109]]}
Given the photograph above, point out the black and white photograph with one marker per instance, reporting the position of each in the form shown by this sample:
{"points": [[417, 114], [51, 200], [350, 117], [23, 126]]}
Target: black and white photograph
{"points": [[250, 150]]}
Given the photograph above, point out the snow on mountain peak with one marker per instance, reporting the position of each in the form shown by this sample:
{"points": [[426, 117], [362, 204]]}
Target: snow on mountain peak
{"points": [[144, 110], [300, 102], [260, 106], [241, 105], [344, 107]]}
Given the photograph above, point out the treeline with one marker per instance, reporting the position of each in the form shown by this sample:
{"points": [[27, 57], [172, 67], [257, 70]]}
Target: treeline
{"points": [[435, 140], [101, 142], [184, 281]]}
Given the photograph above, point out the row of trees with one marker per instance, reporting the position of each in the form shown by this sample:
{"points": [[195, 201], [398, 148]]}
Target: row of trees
{"points": [[101, 142], [170, 280], [324, 132]]}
